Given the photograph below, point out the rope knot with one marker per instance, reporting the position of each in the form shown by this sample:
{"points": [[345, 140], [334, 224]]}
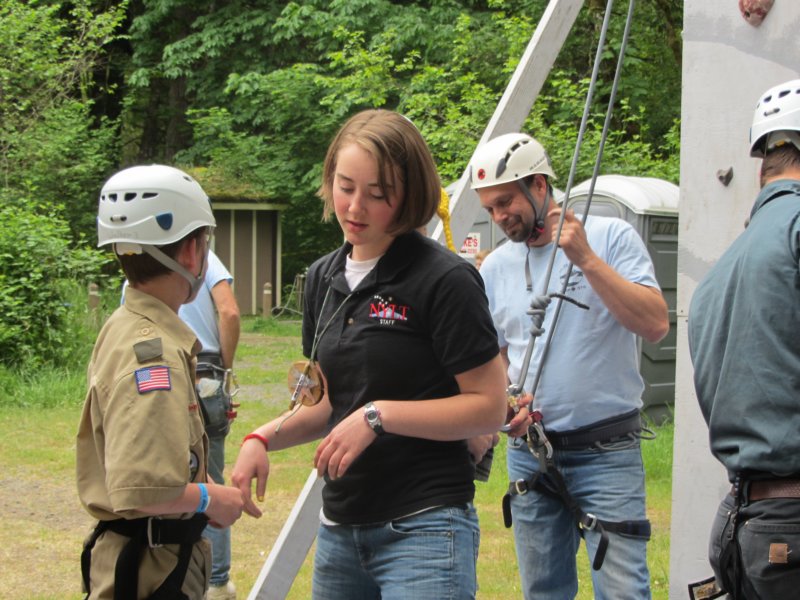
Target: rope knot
{"points": [[537, 311]]}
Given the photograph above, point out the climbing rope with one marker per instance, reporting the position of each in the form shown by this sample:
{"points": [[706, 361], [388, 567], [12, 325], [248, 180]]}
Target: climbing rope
{"points": [[593, 181], [540, 302], [443, 210]]}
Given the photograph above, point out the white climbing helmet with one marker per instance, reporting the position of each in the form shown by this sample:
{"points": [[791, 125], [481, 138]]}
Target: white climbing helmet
{"points": [[151, 205], [777, 119], [506, 158]]}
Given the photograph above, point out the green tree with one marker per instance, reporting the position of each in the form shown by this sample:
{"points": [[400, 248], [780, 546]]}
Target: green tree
{"points": [[268, 83], [53, 157], [53, 152]]}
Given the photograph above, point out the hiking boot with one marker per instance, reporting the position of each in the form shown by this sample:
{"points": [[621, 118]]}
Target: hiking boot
{"points": [[224, 591]]}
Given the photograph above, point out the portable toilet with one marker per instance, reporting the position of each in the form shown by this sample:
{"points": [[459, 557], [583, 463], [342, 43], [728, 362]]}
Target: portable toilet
{"points": [[651, 206]]}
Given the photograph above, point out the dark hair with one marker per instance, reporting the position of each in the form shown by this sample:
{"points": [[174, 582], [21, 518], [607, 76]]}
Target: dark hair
{"points": [[401, 153], [779, 160], [141, 268]]}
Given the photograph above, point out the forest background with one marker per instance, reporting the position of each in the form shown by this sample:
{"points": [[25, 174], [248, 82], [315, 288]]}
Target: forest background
{"points": [[252, 91]]}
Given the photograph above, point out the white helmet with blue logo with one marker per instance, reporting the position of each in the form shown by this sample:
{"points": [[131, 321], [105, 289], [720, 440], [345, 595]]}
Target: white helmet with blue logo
{"points": [[151, 205], [777, 119]]}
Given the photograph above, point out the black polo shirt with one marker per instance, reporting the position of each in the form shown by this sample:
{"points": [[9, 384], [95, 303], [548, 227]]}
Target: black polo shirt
{"points": [[419, 318]]}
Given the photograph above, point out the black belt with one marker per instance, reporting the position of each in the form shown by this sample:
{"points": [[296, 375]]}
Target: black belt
{"points": [[152, 532], [603, 432]]}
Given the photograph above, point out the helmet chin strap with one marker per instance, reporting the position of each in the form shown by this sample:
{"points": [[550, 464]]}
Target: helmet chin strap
{"points": [[194, 282], [538, 225]]}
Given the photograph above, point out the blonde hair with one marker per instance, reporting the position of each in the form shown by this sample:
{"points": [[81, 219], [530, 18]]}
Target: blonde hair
{"points": [[401, 153]]}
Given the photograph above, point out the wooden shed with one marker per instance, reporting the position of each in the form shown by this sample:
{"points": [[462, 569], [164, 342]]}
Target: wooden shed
{"points": [[247, 239]]}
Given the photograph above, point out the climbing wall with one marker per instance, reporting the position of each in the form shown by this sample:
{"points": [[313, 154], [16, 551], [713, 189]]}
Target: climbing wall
{"points": [[728, 60]]}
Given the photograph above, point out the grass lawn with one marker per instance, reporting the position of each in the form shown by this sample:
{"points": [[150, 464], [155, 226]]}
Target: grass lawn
{"points": [[45, 524]]}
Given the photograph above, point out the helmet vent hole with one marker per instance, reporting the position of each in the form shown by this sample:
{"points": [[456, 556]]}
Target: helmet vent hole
{"points": [[118, 218], [148, 195], [130, 196], [112, 197], [501, 167], [784, 93]]}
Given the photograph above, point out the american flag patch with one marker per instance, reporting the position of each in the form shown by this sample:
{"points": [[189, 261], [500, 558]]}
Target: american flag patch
{"points": [[152, 378]]}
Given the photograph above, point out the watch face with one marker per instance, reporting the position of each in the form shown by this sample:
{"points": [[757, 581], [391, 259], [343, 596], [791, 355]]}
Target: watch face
{"points": [[373, 418]]}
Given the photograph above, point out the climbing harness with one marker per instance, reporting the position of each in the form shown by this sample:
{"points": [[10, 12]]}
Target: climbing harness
{"points": [[151, 532], [548, 480]]}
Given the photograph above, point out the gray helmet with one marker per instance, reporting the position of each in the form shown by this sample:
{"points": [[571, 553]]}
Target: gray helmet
{"points": [[777, 119]]}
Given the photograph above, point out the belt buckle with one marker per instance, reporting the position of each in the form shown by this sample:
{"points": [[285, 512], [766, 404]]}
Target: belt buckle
{"points": [[150, 541], [592, 522], [520, 487]]}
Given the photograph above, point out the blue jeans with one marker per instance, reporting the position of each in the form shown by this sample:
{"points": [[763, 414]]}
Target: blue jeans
{"points": [[428, 556], [220, 538], [607, 483], [764, 526]]}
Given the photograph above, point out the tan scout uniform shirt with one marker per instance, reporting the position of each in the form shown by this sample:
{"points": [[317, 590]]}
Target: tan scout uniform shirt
{"points": [[136, 447]]}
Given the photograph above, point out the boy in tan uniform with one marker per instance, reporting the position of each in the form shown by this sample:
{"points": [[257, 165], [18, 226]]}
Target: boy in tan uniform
{"points": [[141, 447]]}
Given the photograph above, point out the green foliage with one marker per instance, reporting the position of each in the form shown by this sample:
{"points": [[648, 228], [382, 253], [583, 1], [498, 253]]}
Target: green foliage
{"points": [[39, 272], [555, 121], [53, 153], [256, 89], [444, 64], [59, 164]]}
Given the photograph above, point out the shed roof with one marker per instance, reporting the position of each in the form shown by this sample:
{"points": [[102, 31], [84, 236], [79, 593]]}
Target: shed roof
{"points": [[224, 187]]}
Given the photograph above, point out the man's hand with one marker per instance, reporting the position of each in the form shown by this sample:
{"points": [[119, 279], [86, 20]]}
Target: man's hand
{"points": [[518, 426], [573, 239]]}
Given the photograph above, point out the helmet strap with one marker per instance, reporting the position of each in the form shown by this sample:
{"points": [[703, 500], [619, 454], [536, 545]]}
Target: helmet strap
{"points": [[195, 282], [538, 225], [776, 139]]}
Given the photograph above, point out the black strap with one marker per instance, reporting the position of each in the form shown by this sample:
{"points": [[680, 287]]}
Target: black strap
{"points": [[730, 560], [552, 484], [145, 532], [603, 431], [210, 358]]}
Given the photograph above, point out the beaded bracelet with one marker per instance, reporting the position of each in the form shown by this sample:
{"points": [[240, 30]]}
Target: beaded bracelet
{"points": [[259, 437], [205, 499]]}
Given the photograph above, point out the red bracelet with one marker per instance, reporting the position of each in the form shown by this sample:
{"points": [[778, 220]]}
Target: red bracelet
{"points": [[257, 436]]}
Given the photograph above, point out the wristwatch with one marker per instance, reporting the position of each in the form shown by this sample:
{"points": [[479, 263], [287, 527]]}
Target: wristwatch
{"points": [[373, 418]]}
